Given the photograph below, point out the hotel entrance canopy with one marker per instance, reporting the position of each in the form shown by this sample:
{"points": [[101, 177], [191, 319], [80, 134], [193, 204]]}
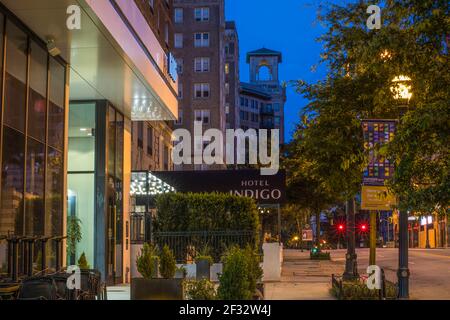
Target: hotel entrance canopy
{"points": [[114, 56], [265, 190]]}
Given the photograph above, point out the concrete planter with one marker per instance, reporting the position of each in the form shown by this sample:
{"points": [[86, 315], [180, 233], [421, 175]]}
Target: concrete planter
{"points": [[273, 259], [203, 269], [157, 289], [216, 270]]}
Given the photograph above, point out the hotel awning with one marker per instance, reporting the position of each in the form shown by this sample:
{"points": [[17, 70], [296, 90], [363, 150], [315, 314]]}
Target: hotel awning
{"points": [[114, 56]]}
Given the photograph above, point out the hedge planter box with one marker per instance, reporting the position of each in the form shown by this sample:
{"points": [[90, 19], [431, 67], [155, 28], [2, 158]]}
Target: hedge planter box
{"points": [[157, 289], [203, 269], [320, 256]]}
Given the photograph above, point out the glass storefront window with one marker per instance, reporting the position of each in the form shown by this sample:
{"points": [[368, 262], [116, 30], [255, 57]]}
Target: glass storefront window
{"points": [[111, 141], [56, 107], [38, 92], [16, 74], [82, 132], [81, 176], [81, 204], [54, 192], [34, 196], [11, 204], [32, 188]]}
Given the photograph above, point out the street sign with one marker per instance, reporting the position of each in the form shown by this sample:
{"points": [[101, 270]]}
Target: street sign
{"points": [[376, 198], [307, 235]]}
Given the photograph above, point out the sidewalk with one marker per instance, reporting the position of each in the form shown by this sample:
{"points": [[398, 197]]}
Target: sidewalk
{"points": [[120, 292], [303, 279]]}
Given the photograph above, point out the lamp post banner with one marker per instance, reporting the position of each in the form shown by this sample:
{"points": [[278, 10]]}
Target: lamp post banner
{"points": [[269, 189], [376, 134]]}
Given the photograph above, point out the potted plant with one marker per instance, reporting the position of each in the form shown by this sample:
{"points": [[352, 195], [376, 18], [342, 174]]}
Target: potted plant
{"points": [[150, 287], [203, 263], [74, 236], [83, 263], [180, 273]]}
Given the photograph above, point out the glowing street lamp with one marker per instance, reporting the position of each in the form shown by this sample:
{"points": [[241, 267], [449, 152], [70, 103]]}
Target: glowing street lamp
{"points": [[401, 88]]}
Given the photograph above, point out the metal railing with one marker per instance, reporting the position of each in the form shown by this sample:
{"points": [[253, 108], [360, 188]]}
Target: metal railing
{"points": [[187, 245]]}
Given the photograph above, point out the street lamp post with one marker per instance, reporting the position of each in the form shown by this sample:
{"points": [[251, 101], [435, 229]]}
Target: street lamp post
{"points": [[402, 92]]}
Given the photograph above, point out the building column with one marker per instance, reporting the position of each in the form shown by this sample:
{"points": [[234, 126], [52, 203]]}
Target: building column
{"points": [[126, 270]]}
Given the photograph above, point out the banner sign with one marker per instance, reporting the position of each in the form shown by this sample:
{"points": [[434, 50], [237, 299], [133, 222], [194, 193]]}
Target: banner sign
{"points": [[376, 198], [247, 183], [377, 133]]}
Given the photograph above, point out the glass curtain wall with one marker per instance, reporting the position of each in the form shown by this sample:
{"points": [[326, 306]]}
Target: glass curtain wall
{"points": [[31, 139], [81, 178]]}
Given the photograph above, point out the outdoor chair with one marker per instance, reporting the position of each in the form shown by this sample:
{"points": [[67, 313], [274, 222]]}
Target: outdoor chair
{"points": [[92, 287], [43, 288], [62, 291], [8, 291]]}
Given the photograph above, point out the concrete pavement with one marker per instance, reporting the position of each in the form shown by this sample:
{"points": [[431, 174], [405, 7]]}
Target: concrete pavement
{"points": [[303, 279]]}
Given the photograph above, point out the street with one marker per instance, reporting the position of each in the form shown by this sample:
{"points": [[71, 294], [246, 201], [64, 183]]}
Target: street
{"points": [[430, 269]]}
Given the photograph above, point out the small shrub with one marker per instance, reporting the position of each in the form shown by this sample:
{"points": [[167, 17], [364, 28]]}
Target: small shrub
{"points": [[147, 262], [200, 290], [358, 290], [235, 279], [204, 255], [319, 256], [255, 271], [167, 263], [82, 262]]}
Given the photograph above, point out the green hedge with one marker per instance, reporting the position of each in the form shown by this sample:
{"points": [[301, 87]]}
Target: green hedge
{"points": [[357, 290], [181, 212]]}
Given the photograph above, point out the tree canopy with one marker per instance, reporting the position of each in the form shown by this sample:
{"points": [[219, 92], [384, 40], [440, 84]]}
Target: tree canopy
{"points": [[362, 64]]}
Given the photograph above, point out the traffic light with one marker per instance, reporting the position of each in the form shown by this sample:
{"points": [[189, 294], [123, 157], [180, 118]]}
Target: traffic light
{"points": [[363, 227], [314, 250], [340, 227]]}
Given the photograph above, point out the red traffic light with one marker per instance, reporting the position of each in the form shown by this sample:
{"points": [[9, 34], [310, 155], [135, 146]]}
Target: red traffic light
{"points": [[363, 227], [340, 227]]}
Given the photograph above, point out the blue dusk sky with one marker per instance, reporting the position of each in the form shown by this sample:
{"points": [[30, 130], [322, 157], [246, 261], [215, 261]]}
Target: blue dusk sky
{"points": [[288, 26]]}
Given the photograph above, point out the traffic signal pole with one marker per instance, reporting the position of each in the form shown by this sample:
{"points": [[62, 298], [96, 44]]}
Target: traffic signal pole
{"points": [[373, 237], [351, 266]]}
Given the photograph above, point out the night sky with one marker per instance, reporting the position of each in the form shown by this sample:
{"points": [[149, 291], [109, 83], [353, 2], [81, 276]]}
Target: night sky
{"points": [[288, 26]]}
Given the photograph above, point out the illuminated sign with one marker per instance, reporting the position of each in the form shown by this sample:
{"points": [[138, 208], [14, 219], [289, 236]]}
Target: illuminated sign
{"points": [[376, 198], [145, 183], [250, 183]]}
